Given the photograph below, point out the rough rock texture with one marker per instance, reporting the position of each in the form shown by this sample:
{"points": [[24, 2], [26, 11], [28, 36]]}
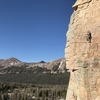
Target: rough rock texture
{"points": [[82, 57]]}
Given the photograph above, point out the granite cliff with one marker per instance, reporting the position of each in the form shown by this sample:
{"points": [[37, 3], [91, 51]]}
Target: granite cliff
{"points": [[82, 57]]}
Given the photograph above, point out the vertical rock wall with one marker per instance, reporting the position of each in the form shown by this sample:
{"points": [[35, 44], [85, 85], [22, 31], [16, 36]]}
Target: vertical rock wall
{"points": [[82, 57]]}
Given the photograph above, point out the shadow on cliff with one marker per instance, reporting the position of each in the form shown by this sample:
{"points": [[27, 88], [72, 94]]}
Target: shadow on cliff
{"points": [[68, 78]]}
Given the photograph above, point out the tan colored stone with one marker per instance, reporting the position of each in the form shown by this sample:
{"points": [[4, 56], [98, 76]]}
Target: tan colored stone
{"points": [[82, 56]]}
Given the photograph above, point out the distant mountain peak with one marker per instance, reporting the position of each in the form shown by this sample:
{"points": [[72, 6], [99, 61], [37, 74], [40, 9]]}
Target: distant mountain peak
{"points": [[42, 61], [13, 59], [10, 62]]}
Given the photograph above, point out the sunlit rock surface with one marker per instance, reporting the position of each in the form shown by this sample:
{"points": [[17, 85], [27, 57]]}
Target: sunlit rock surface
{"points": [[82, 57]]}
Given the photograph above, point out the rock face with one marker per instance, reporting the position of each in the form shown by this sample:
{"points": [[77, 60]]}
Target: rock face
{"points": [[82, 57]]}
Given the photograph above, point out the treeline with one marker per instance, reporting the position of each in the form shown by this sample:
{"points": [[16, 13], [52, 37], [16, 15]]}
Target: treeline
{"points": [[16, 91], [33, 75], [38, 78]]}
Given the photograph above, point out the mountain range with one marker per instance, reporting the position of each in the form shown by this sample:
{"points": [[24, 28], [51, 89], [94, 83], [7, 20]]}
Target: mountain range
{"points": [[14, 70]]}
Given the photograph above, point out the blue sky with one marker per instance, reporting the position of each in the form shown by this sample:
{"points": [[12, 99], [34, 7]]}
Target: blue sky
{"points": [[34, 30]]}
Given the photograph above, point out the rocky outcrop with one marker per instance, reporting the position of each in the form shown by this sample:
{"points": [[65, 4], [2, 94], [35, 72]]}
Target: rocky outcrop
{"points": [[82, 57]]}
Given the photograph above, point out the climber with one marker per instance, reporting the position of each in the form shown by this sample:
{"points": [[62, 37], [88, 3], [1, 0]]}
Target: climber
{"points": [[89, 37]]}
